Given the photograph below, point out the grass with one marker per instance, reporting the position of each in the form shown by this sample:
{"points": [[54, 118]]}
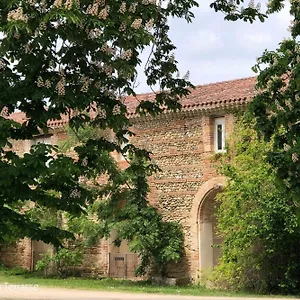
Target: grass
{"points": [[107, 284]]}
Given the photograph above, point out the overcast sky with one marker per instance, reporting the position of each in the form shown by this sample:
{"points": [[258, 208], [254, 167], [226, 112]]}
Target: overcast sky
{"points": [[212, 49]]}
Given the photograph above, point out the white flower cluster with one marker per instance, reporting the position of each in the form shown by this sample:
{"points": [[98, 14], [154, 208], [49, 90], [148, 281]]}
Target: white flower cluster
{"points": [[108, 50], [2, 64], [126, 55], [98, 85], [275, 60], [137, 23], [4, 112], [94, 33], [104, 13], [41, 83], [69, 4], [43, 6], [60, 87], [286, 147], [122, 8], [108, 70], [147, 2], [288, 103], [122, 27], [295, 157], [31, 2], [27, 48], [149, 24], [172, 58], [85, 84], [57, 3], [102, 113], [278, 106], [17, 15], [116, 110], [132, 7], [84, 162], [93, 9], [75, 194], [43, 26]]}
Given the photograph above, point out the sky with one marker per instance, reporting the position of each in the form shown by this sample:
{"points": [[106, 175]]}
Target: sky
{"points": [[213, 49]]}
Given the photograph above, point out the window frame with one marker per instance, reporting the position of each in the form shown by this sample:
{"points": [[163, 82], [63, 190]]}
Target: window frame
{"points": [[219, 121]]}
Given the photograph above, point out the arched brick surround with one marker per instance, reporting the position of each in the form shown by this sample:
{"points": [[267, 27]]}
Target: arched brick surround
{"points": [[214, 186]]}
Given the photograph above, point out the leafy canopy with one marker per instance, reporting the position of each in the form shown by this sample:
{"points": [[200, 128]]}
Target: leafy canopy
{"points": [[78, 59], [74, 59], [257, 219], [277, 105]]}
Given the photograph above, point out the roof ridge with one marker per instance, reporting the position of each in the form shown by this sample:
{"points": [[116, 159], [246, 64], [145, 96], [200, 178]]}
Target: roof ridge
{"points": [[226, 81], [211, 95]]}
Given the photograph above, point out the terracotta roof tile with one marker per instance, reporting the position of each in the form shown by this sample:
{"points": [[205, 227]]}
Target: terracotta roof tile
{"points": [[208, 95], [20, 117], [220, 94]]}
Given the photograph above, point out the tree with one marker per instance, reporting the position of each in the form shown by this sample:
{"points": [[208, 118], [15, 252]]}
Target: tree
{"points": [[257, 219], [276, 106], [78, 59]]}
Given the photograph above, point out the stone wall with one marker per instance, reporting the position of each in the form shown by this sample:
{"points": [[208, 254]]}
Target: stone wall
{"points": [[183, 147], [17, 255]]}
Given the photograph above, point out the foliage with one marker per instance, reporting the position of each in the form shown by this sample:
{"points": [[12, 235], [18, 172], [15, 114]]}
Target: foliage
{"points": [[235, 10], [13, 271], [127, 212], [62, 259], [276, 106], [77, 60], [67, 59], [257, 219]]}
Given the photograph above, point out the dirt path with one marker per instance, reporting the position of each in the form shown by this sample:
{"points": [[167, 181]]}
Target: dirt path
{"points": [[31, 292]]}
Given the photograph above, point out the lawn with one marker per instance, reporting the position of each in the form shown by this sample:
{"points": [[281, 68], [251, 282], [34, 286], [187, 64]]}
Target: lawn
{"points": [[107, 284]]}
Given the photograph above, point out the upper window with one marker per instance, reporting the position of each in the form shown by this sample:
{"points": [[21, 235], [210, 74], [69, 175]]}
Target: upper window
{"points": [[219, 134]]}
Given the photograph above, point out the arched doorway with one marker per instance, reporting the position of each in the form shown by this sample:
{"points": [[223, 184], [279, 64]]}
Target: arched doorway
{"points": [[208, 237], [203, 227]]}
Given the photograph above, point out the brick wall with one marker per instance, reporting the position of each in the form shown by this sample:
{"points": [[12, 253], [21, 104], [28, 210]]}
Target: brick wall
{"points": [[183, 146], [17, 255]]}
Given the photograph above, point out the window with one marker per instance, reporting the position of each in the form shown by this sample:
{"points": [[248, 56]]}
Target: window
{"points": [[219, 135]]}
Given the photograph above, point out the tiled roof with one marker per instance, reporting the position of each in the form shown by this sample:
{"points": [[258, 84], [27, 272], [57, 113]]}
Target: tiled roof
{"points": [[20, 117], [208, 96]]}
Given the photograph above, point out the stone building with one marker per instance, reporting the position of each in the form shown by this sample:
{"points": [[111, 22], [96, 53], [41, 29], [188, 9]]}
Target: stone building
{"points": [[183, 145]]}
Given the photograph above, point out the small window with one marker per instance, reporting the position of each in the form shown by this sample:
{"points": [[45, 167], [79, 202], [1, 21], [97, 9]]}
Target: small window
{"points": [[219, 134]]}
